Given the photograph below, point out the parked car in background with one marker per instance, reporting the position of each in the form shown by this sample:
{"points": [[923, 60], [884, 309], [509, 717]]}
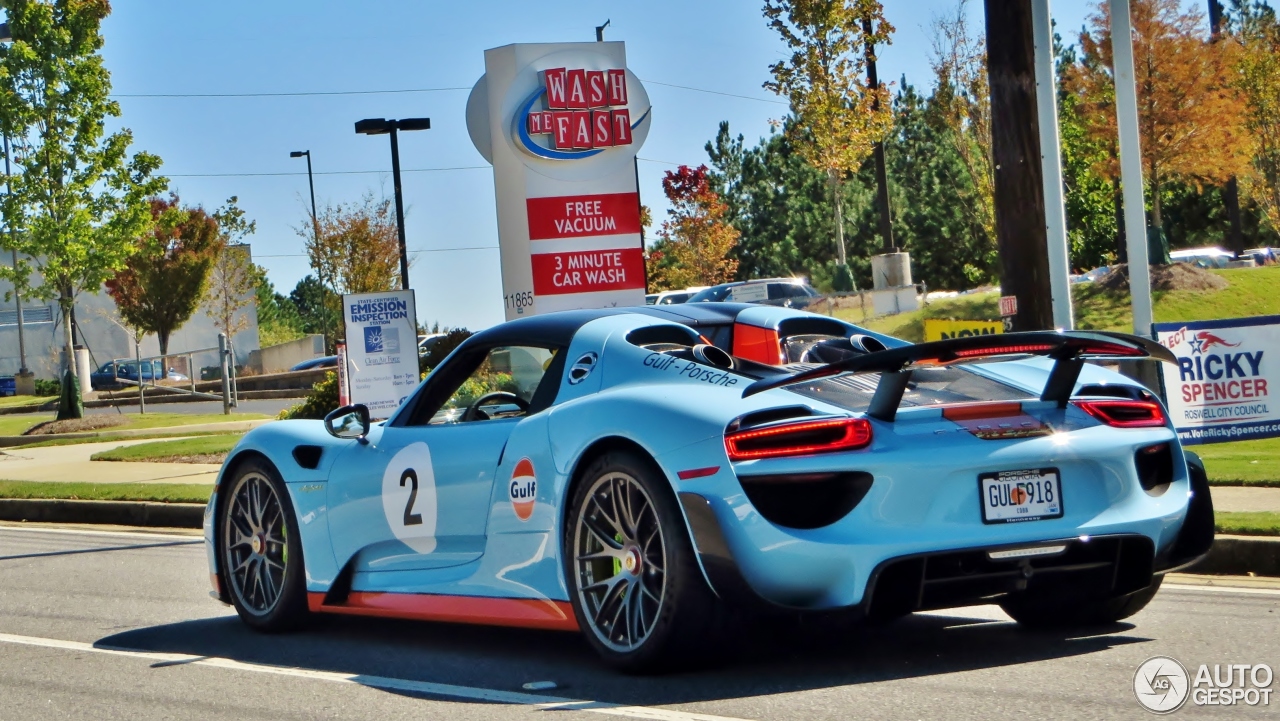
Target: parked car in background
{"points": [[1203, 257], [108, 377], [427, 342], [786, 292], [329, 361], [1261, 256], [671, 297]]}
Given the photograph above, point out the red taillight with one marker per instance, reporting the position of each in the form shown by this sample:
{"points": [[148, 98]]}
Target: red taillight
{"points": [[798, 439], [1125, 413], [1004, 350]]}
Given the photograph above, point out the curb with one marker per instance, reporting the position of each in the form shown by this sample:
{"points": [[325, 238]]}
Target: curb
{"points": [[109, 435], [1240, 556], [116, 513], [1230, 555]]}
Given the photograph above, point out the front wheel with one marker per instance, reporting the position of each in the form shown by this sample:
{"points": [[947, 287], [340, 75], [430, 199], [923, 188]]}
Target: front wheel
{"points": [[260, 550], [639, 596], [1041, 612]]}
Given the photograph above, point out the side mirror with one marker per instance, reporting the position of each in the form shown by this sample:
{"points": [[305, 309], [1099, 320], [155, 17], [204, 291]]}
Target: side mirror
{"points": [[348, 422]]}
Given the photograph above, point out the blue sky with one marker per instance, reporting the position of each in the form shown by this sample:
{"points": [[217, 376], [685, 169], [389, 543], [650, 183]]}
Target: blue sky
{"points": [[211, 146]]}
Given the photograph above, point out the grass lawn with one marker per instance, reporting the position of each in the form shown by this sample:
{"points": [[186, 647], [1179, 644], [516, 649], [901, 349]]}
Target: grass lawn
{"points": [[1253, 523], [19, 401], [1252, 292], [189, 450], [15, 425], [1242, 463], [159, 492]]}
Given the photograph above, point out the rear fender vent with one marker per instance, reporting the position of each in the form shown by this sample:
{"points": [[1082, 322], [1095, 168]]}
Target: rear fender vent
{"points": [[1155, 467], [806, 500], [768, 415], [308, 456]]}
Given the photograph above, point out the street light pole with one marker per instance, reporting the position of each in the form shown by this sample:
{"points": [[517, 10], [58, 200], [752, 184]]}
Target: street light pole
{"points": [[395, 182], [315, 225], [382, 126]]}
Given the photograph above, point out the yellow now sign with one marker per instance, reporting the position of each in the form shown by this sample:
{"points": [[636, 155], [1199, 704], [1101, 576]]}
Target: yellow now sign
{"points": [[939, 329]]}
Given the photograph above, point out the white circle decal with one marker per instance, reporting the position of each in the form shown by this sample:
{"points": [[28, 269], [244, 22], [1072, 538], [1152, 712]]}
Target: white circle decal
{"points": [[409, 497]]}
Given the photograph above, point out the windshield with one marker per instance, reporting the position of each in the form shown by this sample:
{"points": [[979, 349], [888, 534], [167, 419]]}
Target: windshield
{"points": [[710, 295]]}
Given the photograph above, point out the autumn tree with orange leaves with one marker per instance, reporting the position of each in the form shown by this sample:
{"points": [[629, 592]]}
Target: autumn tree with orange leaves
{"points": [[1190, 113], [696, 239]]}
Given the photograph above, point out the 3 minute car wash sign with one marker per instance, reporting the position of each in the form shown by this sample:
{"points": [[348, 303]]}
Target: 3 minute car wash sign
{"points": [[561, 123], [1221, 388]]}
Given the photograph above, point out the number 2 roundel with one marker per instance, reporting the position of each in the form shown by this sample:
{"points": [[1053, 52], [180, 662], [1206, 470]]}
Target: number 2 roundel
{"points": [[524, 489], [409, 497]]}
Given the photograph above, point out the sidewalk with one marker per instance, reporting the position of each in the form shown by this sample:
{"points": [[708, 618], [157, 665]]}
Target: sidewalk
{"points": [[71, 464], [1233, 499]]}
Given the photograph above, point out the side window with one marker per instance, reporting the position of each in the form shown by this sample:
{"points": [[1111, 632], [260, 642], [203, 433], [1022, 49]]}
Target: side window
{"points": [[504, 384], [779, 291]]}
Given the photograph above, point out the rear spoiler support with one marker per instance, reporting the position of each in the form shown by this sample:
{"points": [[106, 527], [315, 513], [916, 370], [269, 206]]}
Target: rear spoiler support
{"points": [[1068, 349]]}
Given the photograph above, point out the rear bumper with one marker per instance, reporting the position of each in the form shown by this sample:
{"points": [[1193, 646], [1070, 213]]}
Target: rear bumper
{"points": [[1107, 565]]}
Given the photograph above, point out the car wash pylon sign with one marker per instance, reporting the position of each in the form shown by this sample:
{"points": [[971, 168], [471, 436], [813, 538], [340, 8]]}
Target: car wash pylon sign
{"points": [[561, 123], [1222, 388]]}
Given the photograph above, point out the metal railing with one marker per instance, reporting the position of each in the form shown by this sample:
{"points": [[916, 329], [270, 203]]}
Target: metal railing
{"points": [[225, 350]]}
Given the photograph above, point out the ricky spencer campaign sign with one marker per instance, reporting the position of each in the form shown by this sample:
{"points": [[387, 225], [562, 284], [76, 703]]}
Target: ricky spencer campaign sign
{"points": [[561, 123], [382, 348], [1221, 388]]}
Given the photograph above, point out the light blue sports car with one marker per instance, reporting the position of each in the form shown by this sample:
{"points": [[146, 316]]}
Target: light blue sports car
{"points": [[630, 473]]}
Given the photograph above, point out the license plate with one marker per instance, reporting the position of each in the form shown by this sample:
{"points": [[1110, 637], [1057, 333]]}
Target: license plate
{"points": [[1014, 496]]}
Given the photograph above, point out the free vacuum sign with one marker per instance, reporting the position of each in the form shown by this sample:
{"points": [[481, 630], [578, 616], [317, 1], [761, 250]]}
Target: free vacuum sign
{"points": [[382, 348], [1221, 388], [561, 123]]}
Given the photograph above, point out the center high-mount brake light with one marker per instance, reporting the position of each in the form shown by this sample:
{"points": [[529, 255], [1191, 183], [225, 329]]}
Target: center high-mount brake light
{"points": [[799, 439], [1119, 413]]}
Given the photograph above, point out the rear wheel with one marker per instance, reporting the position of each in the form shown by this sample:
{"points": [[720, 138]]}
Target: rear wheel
{"points": [[636, 588], [261, 551], [1044, 612]]}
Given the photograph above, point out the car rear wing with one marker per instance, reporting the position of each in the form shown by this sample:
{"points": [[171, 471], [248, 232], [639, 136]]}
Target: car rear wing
{"points": [[1068, 349]]}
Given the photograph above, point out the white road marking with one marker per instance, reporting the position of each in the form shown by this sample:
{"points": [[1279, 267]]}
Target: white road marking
{"points": [[86, 532], [1221, 589], [545, 703]]}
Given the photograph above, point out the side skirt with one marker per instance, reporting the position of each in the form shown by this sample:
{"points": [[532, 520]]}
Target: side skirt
{"points": [[512, 612]]}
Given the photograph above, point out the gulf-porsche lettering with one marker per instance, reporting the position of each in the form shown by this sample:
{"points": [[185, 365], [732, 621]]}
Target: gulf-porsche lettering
{"points": [[690, 369], [523, 489]]}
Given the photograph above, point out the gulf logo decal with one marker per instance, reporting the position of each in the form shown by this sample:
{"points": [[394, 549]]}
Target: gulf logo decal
{"points": [[524, 489]]}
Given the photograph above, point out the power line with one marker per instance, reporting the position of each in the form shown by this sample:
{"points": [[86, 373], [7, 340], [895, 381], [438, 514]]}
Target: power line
{"points": [[283, 95], [420, 250], [328, 172], [397, 91], [716, 92]]}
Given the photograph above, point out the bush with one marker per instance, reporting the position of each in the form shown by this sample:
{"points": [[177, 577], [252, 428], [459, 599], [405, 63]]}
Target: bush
{"points": [[322, 399], [48, 388]]}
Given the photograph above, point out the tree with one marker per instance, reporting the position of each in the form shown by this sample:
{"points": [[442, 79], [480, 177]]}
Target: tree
{"points": [[837, 117], [1189, 113], [78, 200], [313, 301], [1258, 79], [358, 249], [695, 239], [278, 319], [164, 281], [233, 281], [961, 103]]}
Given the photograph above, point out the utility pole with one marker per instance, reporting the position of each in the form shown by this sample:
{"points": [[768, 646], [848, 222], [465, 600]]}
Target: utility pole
{"points": [[1135, 220], [882, 176], [1019, 181], [315, 225], [600, 31]]}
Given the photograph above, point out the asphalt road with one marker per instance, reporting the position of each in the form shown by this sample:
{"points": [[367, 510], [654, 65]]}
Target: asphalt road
{"points": [[108, 625]]}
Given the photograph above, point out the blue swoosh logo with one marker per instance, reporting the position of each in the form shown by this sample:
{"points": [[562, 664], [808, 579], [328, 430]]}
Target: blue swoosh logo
{"points": [[521, 130]]}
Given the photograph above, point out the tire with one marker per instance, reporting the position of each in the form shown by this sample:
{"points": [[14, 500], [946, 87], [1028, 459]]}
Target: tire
{"points": [[636, 588], [260, 550], [1042, 612]]}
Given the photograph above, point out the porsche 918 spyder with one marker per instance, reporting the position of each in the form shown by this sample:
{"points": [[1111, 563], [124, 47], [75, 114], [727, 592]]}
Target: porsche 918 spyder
{"points": [[628, 473]]}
